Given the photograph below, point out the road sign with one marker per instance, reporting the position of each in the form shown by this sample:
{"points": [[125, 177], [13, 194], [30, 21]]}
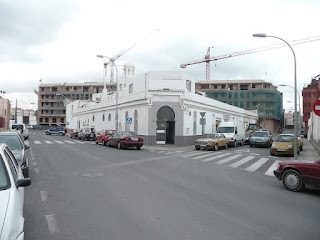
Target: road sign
{"points": [[203, 121], [202, 114], [316, 107], [128, 120]]}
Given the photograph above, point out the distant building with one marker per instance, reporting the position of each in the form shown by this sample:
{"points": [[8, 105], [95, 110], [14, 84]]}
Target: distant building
{"points": [[250, 95], [310, 94], [5, 107], [26, 116]]}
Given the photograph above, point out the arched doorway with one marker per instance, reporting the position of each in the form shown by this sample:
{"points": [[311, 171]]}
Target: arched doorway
{"points": [[165, 126]]}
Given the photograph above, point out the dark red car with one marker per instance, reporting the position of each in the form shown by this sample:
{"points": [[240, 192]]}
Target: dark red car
{"points": [[297, 175], [104, 135], [125, 139]]}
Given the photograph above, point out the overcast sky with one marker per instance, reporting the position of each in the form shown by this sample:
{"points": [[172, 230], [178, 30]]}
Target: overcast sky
{"points": [[57, 41]]}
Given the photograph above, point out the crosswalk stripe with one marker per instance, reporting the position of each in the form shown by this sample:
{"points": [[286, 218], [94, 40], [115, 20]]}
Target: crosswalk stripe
{"points": [[37, 142], [216, 157], [205, 155], [195, 153], [257, 164], [69, 141], [160, 151], [48, 142], [178, 151], [168, 153], [242, 161], [58, 142], [229, 159], [80, 142], [269, 172]]}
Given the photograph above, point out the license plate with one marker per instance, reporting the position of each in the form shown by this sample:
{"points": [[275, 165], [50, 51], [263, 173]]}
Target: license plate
{"points": [[202, 145], [281, 150], [134, 139]]}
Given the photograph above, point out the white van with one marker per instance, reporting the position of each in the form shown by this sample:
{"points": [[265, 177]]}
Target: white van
{"points": [[234, 131], [21, 128]]}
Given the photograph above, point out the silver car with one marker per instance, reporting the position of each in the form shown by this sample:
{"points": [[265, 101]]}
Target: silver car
{"points": [[19, 148]]}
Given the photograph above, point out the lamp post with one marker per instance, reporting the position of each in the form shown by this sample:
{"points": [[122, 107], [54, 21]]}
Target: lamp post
{"points": [[295, 139], [117, 93]]}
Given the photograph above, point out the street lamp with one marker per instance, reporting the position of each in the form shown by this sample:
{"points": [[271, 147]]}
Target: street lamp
{"points": [[105, 86], [295, 139]]}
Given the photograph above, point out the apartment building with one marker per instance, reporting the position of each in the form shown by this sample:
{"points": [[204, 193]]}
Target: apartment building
{"points": [[250, 95], [310, 94], [51, 98]]}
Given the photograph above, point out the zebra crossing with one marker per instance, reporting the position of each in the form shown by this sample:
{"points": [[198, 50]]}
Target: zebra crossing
{"points": [[245, 160], [60, 142]]}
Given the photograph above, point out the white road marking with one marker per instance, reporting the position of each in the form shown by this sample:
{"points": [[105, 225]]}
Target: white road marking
{"points": [[37, 142], [69, 142], [269, 172], [205, 155], [34, 163], [36, 170], [242, 161], [160, 151], [229, 159], [58, 141], [52, 223], [44, 195], [48, 142], [255, 154], [195, 153], [178, 151], [168, 153], [256, 165], [216, 157], [80, 142]]}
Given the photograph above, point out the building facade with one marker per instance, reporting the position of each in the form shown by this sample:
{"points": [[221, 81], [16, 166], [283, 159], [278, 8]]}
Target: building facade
{"points": [[51, 99], [250, 95], [162, 107], [310, 94], [5, 107]]}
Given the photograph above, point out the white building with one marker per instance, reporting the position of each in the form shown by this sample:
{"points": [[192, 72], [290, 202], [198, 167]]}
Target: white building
{"points": [[162, 107]]}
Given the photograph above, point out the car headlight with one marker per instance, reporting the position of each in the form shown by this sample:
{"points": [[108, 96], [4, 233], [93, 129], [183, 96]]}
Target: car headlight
{"points": [[273, 145], [289, 146]]}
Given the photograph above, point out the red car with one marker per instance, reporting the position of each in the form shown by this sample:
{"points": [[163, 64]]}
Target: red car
{"points": [[125, 139], [297, 175], [104, 135]]}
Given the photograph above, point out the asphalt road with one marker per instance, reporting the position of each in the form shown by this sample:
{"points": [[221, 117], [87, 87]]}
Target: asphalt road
{"points": [[81, 190]]}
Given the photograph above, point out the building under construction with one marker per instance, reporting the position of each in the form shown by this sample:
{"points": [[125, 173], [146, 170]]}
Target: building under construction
{"points": [[250, 95]]}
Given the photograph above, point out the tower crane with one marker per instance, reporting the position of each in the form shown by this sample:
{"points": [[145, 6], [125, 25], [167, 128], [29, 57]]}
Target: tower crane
{"points": [[207, 59]]}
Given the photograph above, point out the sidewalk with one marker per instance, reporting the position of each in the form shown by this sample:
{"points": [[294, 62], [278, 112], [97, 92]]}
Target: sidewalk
{"points": [[316, 146]]}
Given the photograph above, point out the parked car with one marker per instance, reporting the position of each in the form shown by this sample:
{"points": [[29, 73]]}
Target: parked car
{"points": [[11, 195], [104, 135], [125, 139], [21, 128], [297, 175], [19, 149], [283, 145], [261, 138], [87, 134], [211, 141], [74, 133], [56, 130], [30, 126], [247, 136]]}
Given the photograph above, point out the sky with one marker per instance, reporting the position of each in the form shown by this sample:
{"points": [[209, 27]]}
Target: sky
{"points": [[57, 41]]}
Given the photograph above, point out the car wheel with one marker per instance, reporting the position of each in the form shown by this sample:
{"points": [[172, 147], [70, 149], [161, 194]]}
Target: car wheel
{"points": [[97, 141], [119, 145], [272, 154], [251, 145], [60, 134], [26, 172], [108, 144], [215, 148], [292, 180], [138, 148], [197, 148]]}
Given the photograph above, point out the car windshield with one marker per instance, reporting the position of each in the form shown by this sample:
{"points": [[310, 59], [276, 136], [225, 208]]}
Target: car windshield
{"points": [[110, 132], [284, 138], [129, 134], [12, 141], [225, 129], [260, 134], [17, 126], [210, 135], [4, 181]]}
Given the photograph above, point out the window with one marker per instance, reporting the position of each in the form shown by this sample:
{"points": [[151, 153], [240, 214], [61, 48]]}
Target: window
{"points": [[223, 86], [188, 85], [93, 118], [242, 95], [202, 86], [103, 118], [46, 120], [120, 87], [75, 88], [67, 89], [215, 86], [12, 164], [131, 88], [85, 89], [109, 117], [62, 120], [54, 120], [243, 87], [230, 95], [41, 119], [253, 86], [51, 111], [235, 95], [231, 87], [54, 89]]}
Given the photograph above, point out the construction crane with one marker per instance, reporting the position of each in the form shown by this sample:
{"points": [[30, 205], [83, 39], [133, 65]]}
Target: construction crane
{"points": [[207, 59], [114, 58]]}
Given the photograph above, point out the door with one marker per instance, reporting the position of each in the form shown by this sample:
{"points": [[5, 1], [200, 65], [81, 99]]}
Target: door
{"points": [[161, 132], [165, 132]]}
